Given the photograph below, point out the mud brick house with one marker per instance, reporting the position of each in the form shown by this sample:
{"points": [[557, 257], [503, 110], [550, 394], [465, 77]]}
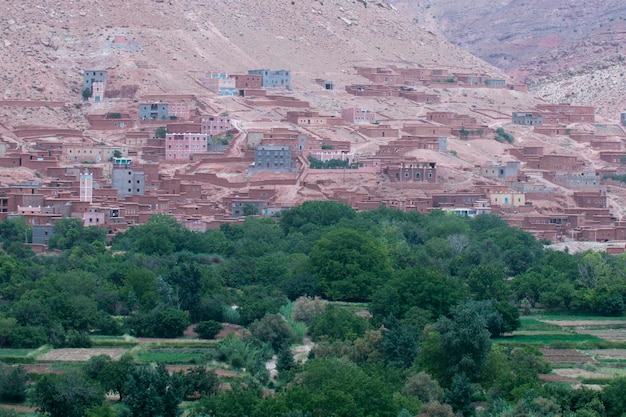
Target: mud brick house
{"points": [[527, 118], [179, 110], [591, 199], [572, 114], [378, 90], [384, 76], [469, 79], [411, 171], [214, 125], [551, 162], [311, 118], [80, 153], [380, 131], [419, 96], [451, 119], [412, 75], [612, 157], [183, 146], [527, 152], [111, 121], [551, 130], [273, 79], [356, 115], [427, 130], [247, 81], [460, 199]]}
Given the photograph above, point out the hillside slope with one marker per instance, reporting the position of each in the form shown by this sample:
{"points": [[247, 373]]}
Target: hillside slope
{"points": [[46, 44]]}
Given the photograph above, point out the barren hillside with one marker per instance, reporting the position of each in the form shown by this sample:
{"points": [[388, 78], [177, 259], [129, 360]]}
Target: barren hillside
{"points": [[46, 44], [568, 51]]}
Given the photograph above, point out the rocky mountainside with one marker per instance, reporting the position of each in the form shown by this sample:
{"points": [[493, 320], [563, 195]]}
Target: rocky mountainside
{"points": [[567, 51], [46, 44]]}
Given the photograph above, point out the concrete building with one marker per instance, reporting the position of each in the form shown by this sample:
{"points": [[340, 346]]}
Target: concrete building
{"points": [[624, 119], [154, 111], [222, 84], [491, 83], [273, 79], [86, 187], [42, 233], [247, 81], [270, 158], [126, 179], [183, 146], [527, 118], [411, 171], [93, 76]]}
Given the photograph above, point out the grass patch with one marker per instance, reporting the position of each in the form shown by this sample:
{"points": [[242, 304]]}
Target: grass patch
{"points": [[172, 356], [596, 381], [113, 341], [558, 315], [532, 324], [559, 341]]}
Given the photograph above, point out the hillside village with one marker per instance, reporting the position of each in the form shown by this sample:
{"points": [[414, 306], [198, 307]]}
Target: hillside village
{"points": [[250, 144]]}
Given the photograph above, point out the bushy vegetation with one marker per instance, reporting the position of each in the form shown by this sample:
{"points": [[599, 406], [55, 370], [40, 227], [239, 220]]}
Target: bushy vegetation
{"points": [[407, 314], [503, 136]]}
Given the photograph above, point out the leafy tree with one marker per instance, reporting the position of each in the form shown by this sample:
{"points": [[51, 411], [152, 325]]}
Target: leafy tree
{"points": [[339, 388], [337, 323], [200, 381], [614, 398], [459, 396], [110, 374], [462, 345], [436, 409], [69, 232], [208, 329], [160, 322], [160, 132], [400, 343], [250, 209], [66, 395], [13, 381], [273, 329], [152, 391], [86, 93], [315, 213], [284, 361], [188, 283], [349, 265], [487, 283], [424, 387]]}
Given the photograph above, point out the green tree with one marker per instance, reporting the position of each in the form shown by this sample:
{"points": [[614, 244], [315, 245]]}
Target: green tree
{"points": [[614, 397], [424, 387], [337, 323], [487, 283], [66, 395], [459, 396], [13, 381], [349, 265], [339, 388], [208, 329], [315, 214], [160, 132], [160, 322], [87, 93], [110, 374], [152, 391], [273, 329], [200, 381], [69, 232]]}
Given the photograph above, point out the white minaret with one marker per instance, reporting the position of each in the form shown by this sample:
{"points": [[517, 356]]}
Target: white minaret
{"points": [[86, 186]]}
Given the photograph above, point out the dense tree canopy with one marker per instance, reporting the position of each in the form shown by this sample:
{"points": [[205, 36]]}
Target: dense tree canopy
{"points": [[403, 310]]}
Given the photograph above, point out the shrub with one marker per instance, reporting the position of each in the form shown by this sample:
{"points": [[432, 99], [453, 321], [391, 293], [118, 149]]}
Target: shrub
{"points": [[208, 329]]}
